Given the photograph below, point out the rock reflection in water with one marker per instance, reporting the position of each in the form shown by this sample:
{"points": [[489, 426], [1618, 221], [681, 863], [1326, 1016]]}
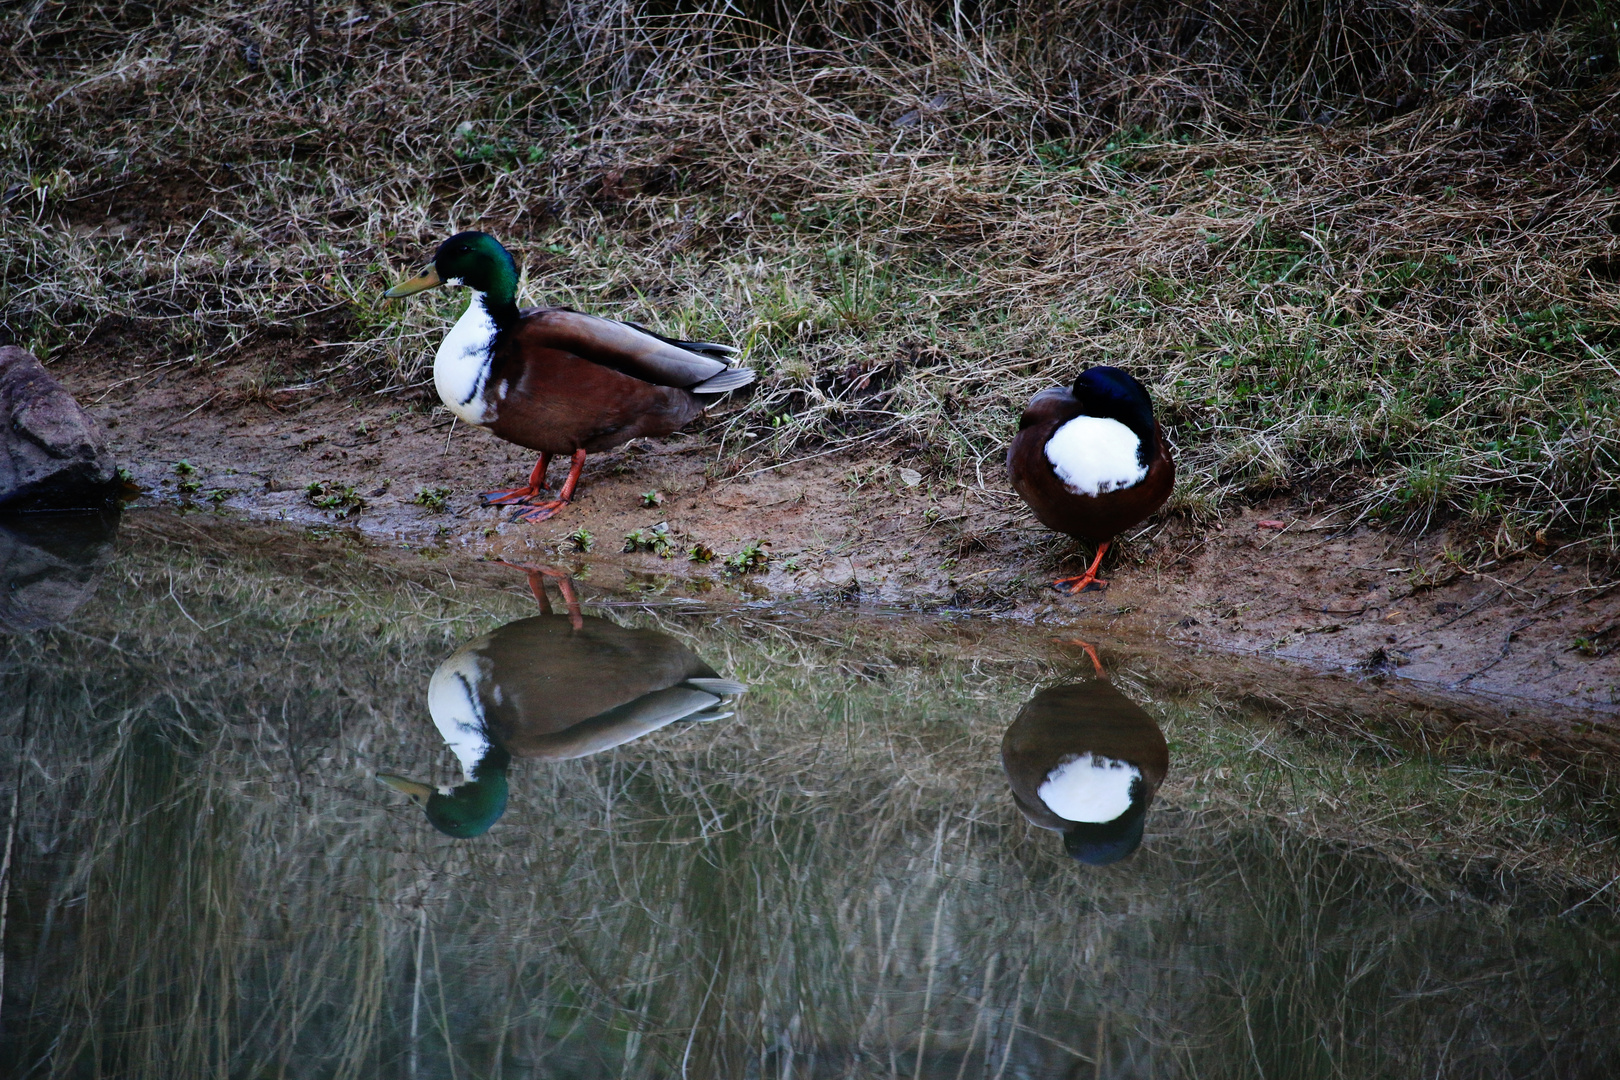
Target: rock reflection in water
{"points": [[1085, 760], [554, 687], [49, 565]]}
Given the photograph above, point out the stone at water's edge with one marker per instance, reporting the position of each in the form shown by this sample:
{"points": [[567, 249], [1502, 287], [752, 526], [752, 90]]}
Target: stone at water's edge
{"points": [[52, 454], [49, 565]]}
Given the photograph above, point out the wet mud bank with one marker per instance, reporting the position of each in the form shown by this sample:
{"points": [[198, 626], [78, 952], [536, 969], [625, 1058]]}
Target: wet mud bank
{"points": [[1299, 583]]}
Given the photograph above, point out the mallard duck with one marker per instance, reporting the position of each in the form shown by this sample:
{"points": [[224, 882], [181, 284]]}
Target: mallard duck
{"points": [[1091, 461], [1085, 760], [557, 380], [553, 687]]}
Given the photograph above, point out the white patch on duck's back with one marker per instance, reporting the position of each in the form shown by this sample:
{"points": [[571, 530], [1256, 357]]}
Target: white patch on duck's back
{"points": [[1089, 789], [455, 705], [462, 365], [1093, 455]]}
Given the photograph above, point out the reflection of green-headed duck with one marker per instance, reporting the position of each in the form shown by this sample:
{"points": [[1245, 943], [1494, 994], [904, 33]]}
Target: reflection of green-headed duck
{"points": [[554, 687], [1085, 760], [556, 380], [1091, 460]]}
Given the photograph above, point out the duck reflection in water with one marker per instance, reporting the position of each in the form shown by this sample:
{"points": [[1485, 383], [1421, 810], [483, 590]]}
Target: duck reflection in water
{"points": [[1085, 760], [554, 687]]}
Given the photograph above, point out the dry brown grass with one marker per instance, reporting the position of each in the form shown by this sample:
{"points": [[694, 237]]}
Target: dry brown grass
{"points": [[1363, 254]]}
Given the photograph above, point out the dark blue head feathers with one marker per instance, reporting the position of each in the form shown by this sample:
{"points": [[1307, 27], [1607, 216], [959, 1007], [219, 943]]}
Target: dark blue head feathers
{"points": [[1115, 394], [1109, 842]]}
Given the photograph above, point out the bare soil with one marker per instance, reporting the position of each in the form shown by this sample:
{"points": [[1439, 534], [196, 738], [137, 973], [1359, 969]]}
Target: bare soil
{"points": [[1299, 583]]}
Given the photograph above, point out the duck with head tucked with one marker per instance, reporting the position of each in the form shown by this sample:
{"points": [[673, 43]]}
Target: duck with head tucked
{"points": [[1091, 461], [556, 380], [555, 688], [1085, 761]]}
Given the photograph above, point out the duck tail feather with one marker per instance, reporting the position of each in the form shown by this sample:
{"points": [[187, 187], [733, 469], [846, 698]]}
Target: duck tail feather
{"points": [[730, 379], [703, 348], [709, 348], [721, 687]]}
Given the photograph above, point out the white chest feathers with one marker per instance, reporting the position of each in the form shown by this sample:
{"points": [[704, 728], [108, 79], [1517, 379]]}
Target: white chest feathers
{"points": [[1089, 789], [456, 707], [462, 365], [1093, 454]]}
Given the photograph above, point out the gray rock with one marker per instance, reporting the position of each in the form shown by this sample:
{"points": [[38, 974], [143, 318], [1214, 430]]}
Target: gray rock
{"points": [[52, 453], [50, 564]]}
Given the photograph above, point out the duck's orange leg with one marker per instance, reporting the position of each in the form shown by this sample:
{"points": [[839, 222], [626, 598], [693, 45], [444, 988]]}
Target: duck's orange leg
{"points": [[536, 484], [565, 585], [1087, 579], [1091, 651], [543, 510]]}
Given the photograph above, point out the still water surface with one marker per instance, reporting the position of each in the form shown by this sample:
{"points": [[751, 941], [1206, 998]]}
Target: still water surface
{"points": [[652, 840]]}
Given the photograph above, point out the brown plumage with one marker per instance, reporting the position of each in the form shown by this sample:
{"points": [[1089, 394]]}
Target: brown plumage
{"points": [[1063, 723], [557, 380], [566, 390], [1108, 394], [553, 687], [556, 686]]}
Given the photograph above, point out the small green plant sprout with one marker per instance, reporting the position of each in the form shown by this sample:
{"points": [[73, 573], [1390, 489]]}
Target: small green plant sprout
{"points": [[1587, 645], [190, 487], [219, 495], [434, 499], [700, 553], [752, 559], [652, 498], [339, 498], [184, 468], [654, 539], [581, 539]]}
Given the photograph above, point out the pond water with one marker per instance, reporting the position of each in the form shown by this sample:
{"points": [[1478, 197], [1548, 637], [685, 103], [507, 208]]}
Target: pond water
{"points": [[650, 837]]}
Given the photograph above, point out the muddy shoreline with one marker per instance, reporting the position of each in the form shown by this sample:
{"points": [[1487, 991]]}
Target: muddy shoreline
{"points": [[1538, 628]]}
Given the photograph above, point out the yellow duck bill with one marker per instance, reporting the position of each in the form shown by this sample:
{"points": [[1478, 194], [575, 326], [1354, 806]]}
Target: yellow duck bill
{"points": [[418, 792], [421, 283]]}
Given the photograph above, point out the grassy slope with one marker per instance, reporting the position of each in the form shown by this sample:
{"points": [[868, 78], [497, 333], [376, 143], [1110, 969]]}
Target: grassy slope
{"points": [[1368, 257]]}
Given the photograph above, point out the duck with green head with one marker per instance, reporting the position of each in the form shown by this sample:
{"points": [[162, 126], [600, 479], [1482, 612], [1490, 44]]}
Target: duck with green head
{"points": [[556, 380], [554, 688]]}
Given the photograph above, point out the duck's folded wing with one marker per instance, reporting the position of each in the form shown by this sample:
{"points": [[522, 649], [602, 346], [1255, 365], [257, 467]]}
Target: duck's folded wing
{"points": [[631, 350], [707, 348], [620, 725]]}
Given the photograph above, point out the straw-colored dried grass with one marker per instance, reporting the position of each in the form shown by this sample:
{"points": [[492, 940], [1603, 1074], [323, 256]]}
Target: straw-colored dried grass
{"points": [[1362, 253]]}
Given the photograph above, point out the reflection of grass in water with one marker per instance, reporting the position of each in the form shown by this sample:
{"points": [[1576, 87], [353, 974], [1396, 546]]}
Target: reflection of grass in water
{"points": [[835, 873]]}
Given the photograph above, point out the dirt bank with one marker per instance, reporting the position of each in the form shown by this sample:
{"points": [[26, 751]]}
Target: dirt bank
{"points": [[1291, 581]]}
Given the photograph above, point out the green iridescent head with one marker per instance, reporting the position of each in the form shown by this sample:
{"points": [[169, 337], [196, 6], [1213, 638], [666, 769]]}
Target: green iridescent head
{"points": [[468, 810], [473, 259]]}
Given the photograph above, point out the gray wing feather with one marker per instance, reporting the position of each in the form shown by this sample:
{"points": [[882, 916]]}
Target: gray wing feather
{"points": [[729, 379], [723, 687], [637, 352], [625, 723]]}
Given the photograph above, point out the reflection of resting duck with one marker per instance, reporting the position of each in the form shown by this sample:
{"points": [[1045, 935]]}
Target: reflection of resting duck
{"points": [[1085, 760], [554, 687]]}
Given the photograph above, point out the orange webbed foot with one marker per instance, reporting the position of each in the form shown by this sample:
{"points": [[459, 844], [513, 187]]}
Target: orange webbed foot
{"points": [[511, 496], [528, 492], [1079, 583], [540, 511]]}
